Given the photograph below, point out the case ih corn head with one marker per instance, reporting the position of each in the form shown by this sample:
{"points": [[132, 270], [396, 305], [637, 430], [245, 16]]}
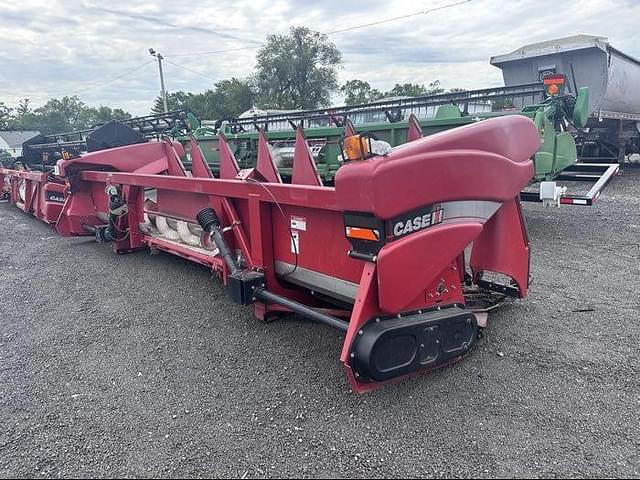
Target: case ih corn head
{"points": [[404, 254], [554, 109]]}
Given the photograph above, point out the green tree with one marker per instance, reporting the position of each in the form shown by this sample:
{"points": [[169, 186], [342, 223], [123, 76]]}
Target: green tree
{"points": [[5, 158], [27, 121], [229, 99], [175, 101], [414, 90], [298, 70], [358, 91], [407, 90], [23, 107], [434, 88], [94, 116], [24, 116], [6, 117], [60, 115]]}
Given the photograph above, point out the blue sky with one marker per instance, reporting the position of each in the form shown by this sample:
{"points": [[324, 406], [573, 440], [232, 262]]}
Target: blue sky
{"points": [[51, 48]]}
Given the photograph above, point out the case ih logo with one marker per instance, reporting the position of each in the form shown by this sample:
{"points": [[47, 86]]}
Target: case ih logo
{"points": [[415, 221], [55, 197]]}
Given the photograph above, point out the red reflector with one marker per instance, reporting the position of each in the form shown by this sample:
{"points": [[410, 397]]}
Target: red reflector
{"points": [[558, 79]]}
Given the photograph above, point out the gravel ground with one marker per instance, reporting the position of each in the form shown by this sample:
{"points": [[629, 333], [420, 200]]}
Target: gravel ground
{"points": [[139, 365]]}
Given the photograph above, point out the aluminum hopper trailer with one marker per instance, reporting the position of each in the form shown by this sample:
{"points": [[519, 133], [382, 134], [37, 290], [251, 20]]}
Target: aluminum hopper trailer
{"points": [[613, 80]]}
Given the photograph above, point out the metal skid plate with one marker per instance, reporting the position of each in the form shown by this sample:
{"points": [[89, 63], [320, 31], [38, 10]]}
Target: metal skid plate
{"points": [[390, 348]]}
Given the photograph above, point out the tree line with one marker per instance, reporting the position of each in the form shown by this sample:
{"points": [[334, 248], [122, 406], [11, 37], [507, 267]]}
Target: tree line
{"points": [[57, 115], [294, 71], [298, 70]]}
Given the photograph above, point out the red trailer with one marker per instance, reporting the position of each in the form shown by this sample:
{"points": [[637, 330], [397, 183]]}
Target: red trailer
{"points": [[404, 255]]}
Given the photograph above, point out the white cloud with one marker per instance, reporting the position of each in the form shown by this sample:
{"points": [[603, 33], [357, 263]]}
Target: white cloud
{"points": [[53, 48]]}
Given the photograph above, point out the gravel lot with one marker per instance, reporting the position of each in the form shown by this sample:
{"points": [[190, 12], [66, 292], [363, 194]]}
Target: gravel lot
{"points": [[140, 366]]}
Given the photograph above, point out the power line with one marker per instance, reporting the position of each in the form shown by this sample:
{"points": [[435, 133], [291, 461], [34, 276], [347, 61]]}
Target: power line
{"points": [[211, 52], [333, 32], [191, 70], [91, 87], [400, 17], [365, 25], [102, 84]]}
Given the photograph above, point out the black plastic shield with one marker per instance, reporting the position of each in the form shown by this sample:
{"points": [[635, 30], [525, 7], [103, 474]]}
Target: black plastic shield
{"points": [[394, 347]]}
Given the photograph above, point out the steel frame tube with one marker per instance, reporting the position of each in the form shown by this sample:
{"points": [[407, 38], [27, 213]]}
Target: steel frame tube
{"points": [[265, 295]]}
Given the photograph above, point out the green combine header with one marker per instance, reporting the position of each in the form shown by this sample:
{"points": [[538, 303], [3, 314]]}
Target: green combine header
{"points": [[557, 114]]}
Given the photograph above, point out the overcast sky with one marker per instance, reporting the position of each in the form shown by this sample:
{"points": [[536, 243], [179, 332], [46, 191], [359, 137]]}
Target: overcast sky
{"points": [[52, 48]]}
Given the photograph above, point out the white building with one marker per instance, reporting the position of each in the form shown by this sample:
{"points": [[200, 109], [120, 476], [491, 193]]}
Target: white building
{"points": [[11, 140]]}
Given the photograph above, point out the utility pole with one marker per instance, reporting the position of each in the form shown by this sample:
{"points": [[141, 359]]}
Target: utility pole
{"points": [[163, 92]]}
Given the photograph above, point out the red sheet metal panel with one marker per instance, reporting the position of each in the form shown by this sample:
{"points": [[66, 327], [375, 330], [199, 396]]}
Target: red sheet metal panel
{"points": [[407, 266], [467, 163], [304, 167]]}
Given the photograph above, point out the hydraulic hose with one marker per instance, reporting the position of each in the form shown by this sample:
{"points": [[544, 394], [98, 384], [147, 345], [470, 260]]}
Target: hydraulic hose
{"points": [[117, 208], [210, 223]]}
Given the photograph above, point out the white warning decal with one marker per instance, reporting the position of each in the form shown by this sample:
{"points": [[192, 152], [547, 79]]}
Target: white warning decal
{"points": [[299, 223]]}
